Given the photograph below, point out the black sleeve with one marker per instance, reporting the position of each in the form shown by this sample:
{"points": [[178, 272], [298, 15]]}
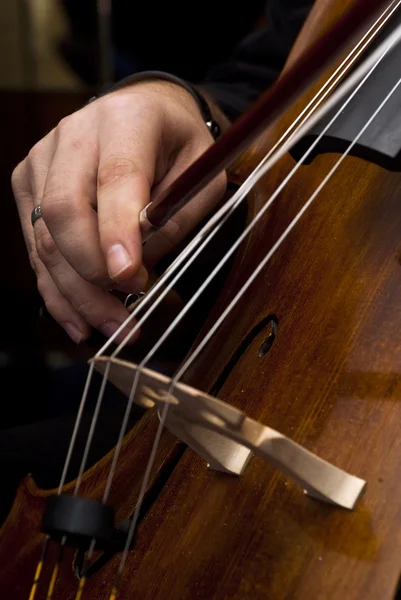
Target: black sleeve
{"points": [[258, 59]]}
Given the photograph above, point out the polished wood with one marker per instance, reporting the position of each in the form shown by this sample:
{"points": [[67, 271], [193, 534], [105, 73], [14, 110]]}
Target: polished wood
{"points": [[331, 381], [21, 541]]}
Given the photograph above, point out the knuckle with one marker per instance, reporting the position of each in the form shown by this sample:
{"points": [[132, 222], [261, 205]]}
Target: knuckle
{"points": [[46, 246], [115, 168], [118, 102], [20, 184], [71, 130], [42, 285], [205, 141], [17, 175], [85, 307], [34, 154], [98, 277], [57, 204], [38, 153], [34, 262], [64, 125], [52, 305]]}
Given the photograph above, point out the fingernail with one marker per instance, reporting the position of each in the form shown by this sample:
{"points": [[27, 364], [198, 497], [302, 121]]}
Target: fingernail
{"points": [[118, 260], [108, 329], [73, 332]]}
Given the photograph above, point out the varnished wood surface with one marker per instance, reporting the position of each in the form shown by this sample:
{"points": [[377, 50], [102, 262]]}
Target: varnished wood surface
{"points": [[20, 539], [331, 382]]}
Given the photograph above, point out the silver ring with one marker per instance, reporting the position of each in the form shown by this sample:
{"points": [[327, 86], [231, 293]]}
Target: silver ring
{"points": [[36, 214]]}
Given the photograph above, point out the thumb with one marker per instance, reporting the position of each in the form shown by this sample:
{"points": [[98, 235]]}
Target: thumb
{"points": [[126, 173]]}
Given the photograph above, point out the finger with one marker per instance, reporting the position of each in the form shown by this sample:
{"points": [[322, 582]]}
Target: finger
{"points": [[68, 204], [190, 215], [127, 163], [28, 182], [60, 309], [93, 304], [38, 163]]}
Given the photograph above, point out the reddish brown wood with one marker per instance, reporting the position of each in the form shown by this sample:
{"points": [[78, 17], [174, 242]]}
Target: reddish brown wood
{"points": [[20, 538], [331, 382]]}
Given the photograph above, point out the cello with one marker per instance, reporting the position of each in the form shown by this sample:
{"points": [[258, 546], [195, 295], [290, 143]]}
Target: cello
{"points": [[294, 378]]}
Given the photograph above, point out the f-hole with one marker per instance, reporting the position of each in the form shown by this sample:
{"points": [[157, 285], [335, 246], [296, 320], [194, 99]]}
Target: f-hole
{"points": [[269, 340], [270, 324]]}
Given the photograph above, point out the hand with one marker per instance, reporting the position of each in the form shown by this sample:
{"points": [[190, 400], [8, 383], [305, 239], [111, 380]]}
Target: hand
{"points": [[92, 176]]}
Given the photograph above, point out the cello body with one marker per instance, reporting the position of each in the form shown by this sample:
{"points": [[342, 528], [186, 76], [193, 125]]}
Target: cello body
{"points": [[330, 381]]}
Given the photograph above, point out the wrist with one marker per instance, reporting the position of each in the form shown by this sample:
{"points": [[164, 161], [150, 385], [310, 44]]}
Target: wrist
{"points": [[206, 107]]}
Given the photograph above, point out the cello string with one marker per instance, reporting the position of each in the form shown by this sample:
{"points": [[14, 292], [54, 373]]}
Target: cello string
{"points": [[169, 330], [340, 71], [148, 356], [262, 170], [314, 103], [81, 407], [252, 224], [387, 45], [83, 579], [83, 402], [39, 568], [272, 150], [200, 290], [238, 197], [281, 239], [54, 576], [56, 569], [231, 204], [230, 307]]}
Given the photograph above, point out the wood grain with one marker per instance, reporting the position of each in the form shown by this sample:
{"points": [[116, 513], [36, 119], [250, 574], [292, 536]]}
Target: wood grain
{"points": [[331, 381]]}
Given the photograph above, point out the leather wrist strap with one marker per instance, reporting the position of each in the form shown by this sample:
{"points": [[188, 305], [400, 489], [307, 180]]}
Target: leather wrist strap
{"points": [[204, 107]]}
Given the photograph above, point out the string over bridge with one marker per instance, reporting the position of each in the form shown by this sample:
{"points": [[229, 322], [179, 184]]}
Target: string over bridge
{"points": [[226, 438]]}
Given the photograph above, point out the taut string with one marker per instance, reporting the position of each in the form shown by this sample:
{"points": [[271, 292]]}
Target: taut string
{"points": [[272, 103], [241, 195], [224, 315], [207, 281], [217, 221], [375, 59], [172, 268]]}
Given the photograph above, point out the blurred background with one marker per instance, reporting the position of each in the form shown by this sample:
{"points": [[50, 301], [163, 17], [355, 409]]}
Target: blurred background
{"points": [[54, 55]]}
